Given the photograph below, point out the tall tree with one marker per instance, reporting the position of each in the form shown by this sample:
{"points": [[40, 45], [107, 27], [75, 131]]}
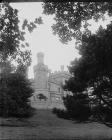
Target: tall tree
{"points": [[94, 68], [12, 39], [15, 89]]}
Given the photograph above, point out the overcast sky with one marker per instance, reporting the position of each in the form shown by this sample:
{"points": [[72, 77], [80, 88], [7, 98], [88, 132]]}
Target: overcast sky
{"points": [[42, 39]]}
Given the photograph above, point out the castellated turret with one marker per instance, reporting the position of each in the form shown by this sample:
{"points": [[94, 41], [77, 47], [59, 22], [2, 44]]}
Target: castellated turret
{"points": [[40, 58], [40, 72]]}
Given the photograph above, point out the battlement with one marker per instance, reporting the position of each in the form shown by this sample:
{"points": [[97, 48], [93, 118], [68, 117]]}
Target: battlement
{"points": [[59, 72]]}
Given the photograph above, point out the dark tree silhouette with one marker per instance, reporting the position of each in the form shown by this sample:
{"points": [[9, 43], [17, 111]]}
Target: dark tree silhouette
{"points": [[15, 88], [15, 91], [93, 69]]}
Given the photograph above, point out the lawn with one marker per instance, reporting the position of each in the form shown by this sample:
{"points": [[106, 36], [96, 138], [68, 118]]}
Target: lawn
{"points": [[46, 126]]}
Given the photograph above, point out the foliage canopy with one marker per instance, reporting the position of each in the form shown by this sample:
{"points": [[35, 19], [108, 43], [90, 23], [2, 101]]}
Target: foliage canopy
{"points": [[71, 16]]}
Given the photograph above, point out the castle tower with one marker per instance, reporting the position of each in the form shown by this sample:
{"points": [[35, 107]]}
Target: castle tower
{"points": [[40, 72], [41, 80], [40, 58]]}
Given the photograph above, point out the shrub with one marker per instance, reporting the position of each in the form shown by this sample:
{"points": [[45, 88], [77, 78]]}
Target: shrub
{"points": [[61, 113], [15, 91], [102, 113], [78, 107]]}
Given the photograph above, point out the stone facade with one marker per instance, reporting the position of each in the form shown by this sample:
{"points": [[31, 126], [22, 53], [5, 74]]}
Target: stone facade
{"points": [[48, 86]]}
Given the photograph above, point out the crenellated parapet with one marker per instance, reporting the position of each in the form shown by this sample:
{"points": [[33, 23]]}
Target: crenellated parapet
{"points": [[60, 73]]}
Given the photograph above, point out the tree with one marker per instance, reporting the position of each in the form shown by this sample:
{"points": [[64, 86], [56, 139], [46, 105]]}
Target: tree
{"points": [[6, 67], [10, 35], [71, 16], [15, 88], [15, 91], [13, 46], [77, 106], [94, 69]]}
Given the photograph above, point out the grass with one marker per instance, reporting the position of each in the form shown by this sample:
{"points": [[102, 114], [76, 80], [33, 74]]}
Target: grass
{"points": [[46, 126]]}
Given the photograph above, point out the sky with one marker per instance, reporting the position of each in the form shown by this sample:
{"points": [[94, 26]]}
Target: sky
{"points": [[43, 40]]}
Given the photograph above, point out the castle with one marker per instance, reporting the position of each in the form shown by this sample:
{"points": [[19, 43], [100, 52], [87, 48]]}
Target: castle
{"points": [[48, 91]]}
